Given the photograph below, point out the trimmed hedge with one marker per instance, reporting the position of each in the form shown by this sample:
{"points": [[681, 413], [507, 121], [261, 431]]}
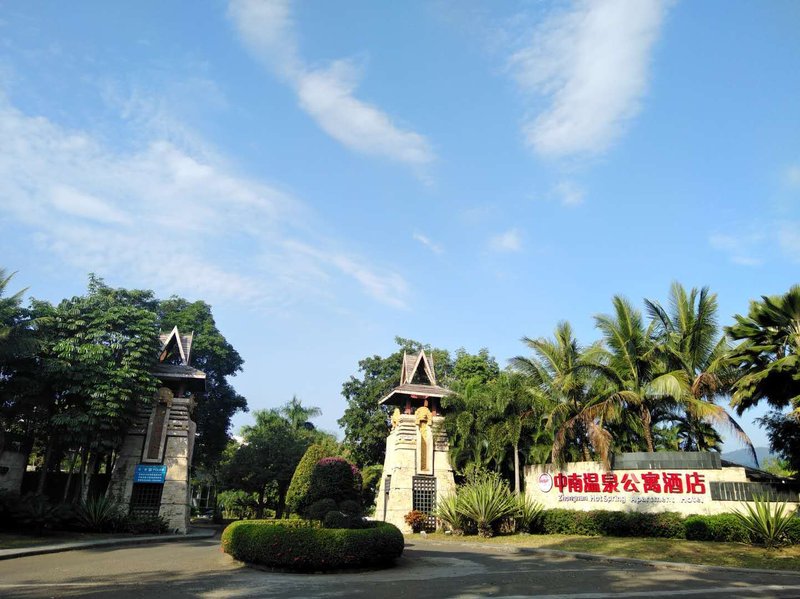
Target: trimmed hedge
{"points": [[669, 525], [309, 548], [720, 527], [617, 524]]}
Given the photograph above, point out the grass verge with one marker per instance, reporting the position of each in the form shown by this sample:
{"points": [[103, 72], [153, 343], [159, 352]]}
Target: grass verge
{"points": [[666, 550]]}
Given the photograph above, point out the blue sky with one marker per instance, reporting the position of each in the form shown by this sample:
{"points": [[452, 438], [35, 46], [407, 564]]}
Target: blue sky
{"points": [[331, 174]]}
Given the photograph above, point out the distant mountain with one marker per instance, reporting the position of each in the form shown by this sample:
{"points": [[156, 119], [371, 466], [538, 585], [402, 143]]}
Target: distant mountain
{"points": [[744, 458]]}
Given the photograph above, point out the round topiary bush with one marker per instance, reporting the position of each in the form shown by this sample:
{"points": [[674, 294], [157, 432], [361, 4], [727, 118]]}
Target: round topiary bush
{"points": [[309, 548], [334, 478]]}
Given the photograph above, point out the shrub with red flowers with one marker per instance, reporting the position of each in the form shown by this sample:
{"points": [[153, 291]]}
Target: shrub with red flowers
{"points": [[335, 486]]}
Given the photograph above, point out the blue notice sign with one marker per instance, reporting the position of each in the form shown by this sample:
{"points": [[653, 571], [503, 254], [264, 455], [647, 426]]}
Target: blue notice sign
{"points": [[146, 473]]}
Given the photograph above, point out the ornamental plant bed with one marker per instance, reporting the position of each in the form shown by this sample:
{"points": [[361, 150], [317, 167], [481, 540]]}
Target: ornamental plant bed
{"points": [[305, 547]]}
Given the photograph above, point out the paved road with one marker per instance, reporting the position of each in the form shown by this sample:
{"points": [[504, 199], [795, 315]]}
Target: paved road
{"points": [[427, 569]]}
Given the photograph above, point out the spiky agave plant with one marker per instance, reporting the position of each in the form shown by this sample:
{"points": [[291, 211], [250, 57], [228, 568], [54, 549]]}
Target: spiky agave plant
{"points": [[765, 523], [447, 512], [486, 502], [528, 511], [98, 513]]}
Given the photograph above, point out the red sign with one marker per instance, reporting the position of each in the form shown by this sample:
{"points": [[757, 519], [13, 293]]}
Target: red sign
{"points": [[648, 482]]}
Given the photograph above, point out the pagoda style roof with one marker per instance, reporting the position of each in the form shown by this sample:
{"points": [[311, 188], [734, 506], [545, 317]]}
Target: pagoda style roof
{"points": [[417, 379], [173, 360]]}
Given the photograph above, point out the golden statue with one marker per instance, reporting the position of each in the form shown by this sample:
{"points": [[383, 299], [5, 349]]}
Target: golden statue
{"points": [[395, 418]]}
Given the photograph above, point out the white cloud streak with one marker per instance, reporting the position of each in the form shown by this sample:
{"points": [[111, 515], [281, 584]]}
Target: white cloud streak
{"points": [[569, 193], [171, 218], [591, 64], [426, 241], [326, 94], [509, 241]]}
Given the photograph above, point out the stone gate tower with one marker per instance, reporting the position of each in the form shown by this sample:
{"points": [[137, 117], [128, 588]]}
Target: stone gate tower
{"points": [[416, 471], [151, 474]]}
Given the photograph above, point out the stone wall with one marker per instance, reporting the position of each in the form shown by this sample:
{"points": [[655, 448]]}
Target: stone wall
{"points": [[12, 469]]}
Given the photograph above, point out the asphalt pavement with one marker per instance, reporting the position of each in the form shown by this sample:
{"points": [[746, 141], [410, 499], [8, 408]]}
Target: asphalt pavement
{"points": [[198, 568]]}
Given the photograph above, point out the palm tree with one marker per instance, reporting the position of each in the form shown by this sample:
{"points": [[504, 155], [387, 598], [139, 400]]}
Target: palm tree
{"points": [[767, 360], [298, 415], [563, 391], [637, 380], [689, 341], [767, 357]]}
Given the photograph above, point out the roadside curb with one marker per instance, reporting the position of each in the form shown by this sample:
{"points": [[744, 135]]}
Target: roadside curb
{"points": [[103, 543], [657, 564]]}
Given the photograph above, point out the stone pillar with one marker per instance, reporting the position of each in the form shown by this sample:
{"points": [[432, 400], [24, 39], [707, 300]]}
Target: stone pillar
{"points": [[401, 464]]}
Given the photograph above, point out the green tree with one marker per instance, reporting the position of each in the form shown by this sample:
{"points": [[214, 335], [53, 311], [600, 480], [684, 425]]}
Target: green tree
{"points": [[98, 353], [365, 423], [266, 460], [689, 340], [563, 392], [767, 362], [299, 415], [215, 356], [636, 379]]}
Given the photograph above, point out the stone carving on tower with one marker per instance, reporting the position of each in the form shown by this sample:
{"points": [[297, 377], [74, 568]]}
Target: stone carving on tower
{"points": [[416, 471]]}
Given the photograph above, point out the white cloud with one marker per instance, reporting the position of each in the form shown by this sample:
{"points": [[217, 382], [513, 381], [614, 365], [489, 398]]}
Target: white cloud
{"points": [[789, 240], [792, 176], [426, 241], [326, 94], [740, 248], [591, 64], [510, 241], [168, 217], [569, 193]]}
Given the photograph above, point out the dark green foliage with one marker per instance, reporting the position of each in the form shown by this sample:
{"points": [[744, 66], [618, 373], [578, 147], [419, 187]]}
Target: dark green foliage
{"points": [[99, 514], [371, 480], [318, 509], [305, 548], [297, 495], [34, 513], [621, 524], [348, 506], [340, 519], [334, 478], [720, 527], [144, 525]]}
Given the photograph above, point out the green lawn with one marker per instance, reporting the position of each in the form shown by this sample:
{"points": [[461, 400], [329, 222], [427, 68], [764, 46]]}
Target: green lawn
{"points": [[669, 550]]}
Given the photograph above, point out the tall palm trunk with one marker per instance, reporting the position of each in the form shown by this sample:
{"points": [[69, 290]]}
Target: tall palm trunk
{"points": [[646, 425], [516, 468]]}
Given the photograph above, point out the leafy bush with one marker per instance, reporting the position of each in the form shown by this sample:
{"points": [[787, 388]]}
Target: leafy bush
{"points": [[486, 502], [297, 495], [415, 519], [237, 504], [144, 525], [720, 527], [619, 524], [34, 513], [338, 519], [318, 509], [306, 548], [767, 523], [350, 507], [793, 530], [334, 478]]}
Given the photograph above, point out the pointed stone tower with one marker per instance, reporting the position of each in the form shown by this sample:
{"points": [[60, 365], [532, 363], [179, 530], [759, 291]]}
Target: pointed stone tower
{"points": [[151, 474], [416, 471]]}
